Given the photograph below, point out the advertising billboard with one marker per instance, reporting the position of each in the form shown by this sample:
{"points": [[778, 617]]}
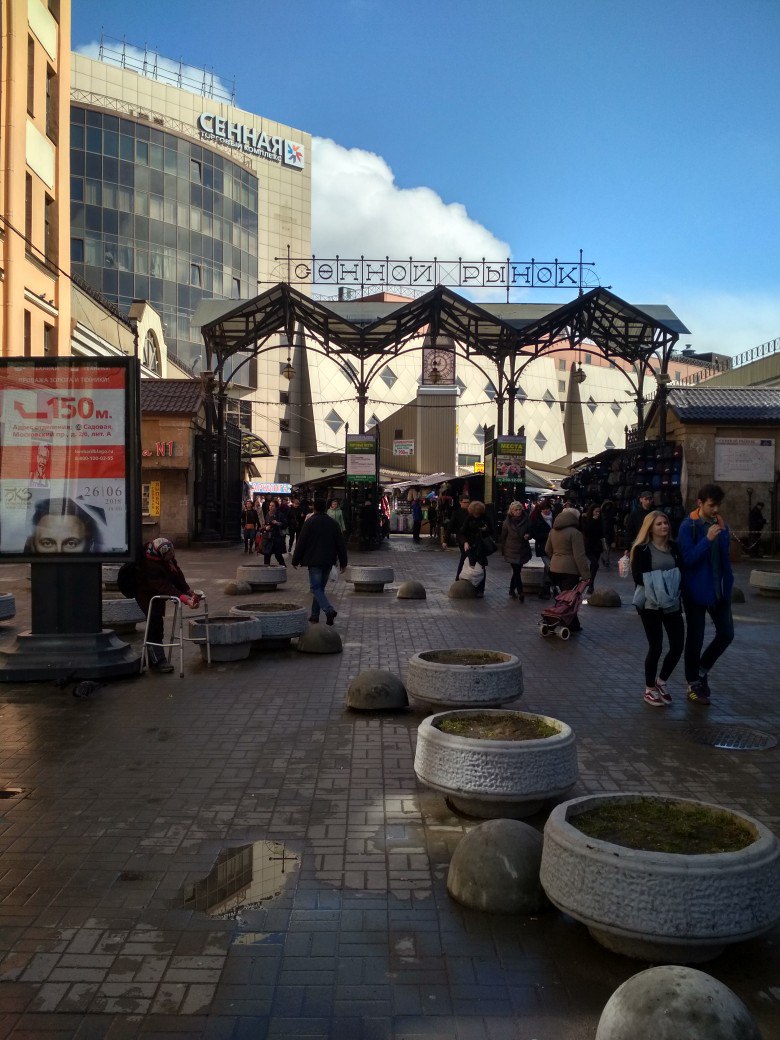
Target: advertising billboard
{"points": [[510, 461], [68, 448], [361, 459]]}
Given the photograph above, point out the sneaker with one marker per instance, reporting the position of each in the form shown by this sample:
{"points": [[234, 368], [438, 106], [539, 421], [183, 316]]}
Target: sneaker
{"points": [[698, 692], [660, 685], [653, 697], [330, 617]]}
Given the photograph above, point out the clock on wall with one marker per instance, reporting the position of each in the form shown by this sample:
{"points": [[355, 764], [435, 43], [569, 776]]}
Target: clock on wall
{"points": [[438, 367]]}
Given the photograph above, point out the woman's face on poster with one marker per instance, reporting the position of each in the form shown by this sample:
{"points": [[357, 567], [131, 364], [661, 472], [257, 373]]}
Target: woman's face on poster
{"points": [[60, 534]]}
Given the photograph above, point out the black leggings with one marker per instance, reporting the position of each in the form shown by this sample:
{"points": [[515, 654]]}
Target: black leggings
{"points": [[655, 622], [516, 584]]}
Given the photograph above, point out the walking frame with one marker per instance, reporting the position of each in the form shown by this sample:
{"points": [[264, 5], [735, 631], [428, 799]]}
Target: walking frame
{"points": [[177, 632]]}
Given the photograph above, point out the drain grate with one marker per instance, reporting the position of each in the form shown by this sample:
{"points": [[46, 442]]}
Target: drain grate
{"points": [[732, 738]]}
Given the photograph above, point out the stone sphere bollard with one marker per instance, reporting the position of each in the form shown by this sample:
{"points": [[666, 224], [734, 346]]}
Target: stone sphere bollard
{"points": [[495, 868], [411, 590], [376, 690], [737, 595], [320, 639], [7, 606], [462, 589], [238, 588], [671, 1003], [604, 598]]}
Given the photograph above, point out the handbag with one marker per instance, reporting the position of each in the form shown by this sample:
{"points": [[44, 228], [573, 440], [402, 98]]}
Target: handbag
{"points": [[488, 545]]}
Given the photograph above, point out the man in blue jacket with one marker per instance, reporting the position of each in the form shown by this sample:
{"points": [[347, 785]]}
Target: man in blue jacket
{"points": [[707, 580]]}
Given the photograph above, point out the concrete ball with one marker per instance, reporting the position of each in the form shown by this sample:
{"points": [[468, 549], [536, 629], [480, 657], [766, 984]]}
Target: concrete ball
{"points": [[411, 590], [461, 589], [671, 1002], [238, 588], [737, 595], [320, 639], [604, 598], [495, 868], [376, 690]]}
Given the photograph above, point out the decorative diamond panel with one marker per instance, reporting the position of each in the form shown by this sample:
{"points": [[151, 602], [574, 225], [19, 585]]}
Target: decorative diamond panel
{"points": [[540, 439], [334, 420], [548, 399], [389, 378], [520, 394], [615, 407], [490, 390]]}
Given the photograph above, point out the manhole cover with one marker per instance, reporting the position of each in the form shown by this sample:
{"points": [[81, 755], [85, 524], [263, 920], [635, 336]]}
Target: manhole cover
{"points": [[732, 738]]}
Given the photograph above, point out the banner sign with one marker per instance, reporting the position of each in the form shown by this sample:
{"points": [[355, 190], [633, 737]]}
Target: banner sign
{"points": [[403, 447], [745, 459], [260, 487], [361, 459], [510, 460], [68, 433]]}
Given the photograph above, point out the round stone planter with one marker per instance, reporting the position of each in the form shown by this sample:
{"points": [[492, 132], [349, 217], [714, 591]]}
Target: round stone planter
{"points": [[280, 622], [230, 638], [7, 606], [444, 679], [494, 779], [261, 578], [110, 573], [369, 579], [766, 583], [533, 575], [659, 906], [121, 615]]}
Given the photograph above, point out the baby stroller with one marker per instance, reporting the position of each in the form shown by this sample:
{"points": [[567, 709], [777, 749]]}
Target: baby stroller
{"points": [[562, 614]]}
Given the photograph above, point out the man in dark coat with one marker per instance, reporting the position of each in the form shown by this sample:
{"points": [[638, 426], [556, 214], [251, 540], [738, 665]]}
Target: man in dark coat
{"points": [[454, 525], [636, 518], [320, 544], [158, 574]]}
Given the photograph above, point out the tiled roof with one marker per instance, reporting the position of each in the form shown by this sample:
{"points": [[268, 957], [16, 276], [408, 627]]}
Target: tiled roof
{"points": [[739, 404], [170, 396]]}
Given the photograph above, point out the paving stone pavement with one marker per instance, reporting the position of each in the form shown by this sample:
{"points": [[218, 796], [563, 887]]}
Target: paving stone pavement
{"points": [[128, 798]]}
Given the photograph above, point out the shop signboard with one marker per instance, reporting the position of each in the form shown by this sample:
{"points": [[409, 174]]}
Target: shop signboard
{"points": [[403, 447], [361, 457], [264, 487], [510, 462], [154, 498], [68, 458], [748, 459]]}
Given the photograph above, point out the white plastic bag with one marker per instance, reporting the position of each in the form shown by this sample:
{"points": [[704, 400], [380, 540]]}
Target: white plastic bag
{"points": [[334, 573], [473, 573], [624, 566]]}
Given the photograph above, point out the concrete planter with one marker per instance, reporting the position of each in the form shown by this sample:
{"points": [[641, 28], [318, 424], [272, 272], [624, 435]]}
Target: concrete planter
{"points": [[441, 679], [659, 906], [261, 578], [231, 638], [110, 573], [369, 579], [121, 615], [766, 583], [7, 606], [495, 779], [280, 622]]}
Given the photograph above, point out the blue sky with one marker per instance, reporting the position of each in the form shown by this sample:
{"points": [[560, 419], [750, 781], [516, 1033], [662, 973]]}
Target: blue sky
{"points": [[645, 133]]}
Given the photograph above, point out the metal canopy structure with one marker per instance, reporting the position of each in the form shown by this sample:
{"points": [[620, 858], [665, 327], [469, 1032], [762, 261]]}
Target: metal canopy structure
{"points": [[504, 336], [365, 334]]}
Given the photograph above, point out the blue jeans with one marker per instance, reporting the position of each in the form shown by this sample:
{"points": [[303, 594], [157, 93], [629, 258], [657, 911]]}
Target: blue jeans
{"points": [[696, 618], [318, 576]]}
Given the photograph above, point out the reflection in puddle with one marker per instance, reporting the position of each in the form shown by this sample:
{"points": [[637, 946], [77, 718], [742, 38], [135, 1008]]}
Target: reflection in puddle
{"points": [[243, 878]]}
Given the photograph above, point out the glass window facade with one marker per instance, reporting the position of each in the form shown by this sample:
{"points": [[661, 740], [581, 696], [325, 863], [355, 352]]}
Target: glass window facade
{"points": [[159, 218]]}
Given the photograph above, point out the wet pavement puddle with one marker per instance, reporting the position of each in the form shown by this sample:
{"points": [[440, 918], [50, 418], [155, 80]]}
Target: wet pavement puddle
{"points": [[244, 878]]}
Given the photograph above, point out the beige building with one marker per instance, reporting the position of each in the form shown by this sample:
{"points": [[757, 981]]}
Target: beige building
{"points": [[34, 178]]}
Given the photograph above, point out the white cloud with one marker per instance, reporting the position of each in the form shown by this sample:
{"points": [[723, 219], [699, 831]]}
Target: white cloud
{"points": [[727, 323], [166, 70], [359, 210]]}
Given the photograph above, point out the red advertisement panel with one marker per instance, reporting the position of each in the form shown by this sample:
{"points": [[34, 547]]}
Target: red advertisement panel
{"points": [[63, 458]]}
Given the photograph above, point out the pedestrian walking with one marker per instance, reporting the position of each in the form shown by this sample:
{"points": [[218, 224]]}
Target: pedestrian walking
{"points": [[433, 518], [158, 574], [569, 563], [417, 518], [272, 537], [515, 546], [335, 513], [474, 540], [656, 566], [539, 526], [707, 581], [592, 528], [454, 524], [319, 547], [756, 524], [250, 521], [635, 519]]}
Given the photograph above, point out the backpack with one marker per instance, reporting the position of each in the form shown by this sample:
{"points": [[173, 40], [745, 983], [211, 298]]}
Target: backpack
{"points": [[127, 580]]}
